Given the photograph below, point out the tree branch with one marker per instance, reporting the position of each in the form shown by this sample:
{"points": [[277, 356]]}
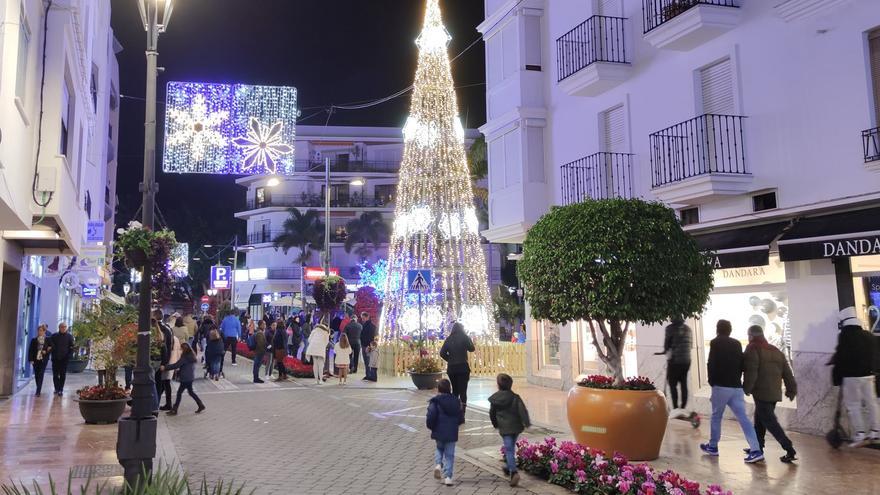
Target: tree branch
{"points": [[602, 355]]}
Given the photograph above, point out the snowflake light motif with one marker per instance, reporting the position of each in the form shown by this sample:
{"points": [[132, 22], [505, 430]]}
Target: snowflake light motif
{"points": [[198, 127], [263, 146]]}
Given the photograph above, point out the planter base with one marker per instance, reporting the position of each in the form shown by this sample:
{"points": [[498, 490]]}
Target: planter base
{"points": [[76, 366], [96, 412], [426, 381]]}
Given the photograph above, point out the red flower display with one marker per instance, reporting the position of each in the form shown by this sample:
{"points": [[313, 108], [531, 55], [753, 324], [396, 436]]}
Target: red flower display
{"points": [[607, 382], [367, 301]]}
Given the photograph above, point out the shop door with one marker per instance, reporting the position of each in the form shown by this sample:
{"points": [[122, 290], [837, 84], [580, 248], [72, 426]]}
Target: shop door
{"points": [[27, 326]]}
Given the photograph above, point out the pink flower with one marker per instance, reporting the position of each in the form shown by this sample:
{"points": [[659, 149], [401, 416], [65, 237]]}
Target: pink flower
{"points": [[648, 488], [554, 467], [580, 475], [624, 485]]}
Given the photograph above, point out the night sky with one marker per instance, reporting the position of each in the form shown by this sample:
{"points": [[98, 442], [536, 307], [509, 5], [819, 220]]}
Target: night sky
{"points": [[332, 51]]}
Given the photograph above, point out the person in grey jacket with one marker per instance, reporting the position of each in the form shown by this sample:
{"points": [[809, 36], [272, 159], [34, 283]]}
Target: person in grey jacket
{"points": [[510, 417], [455, 351], [677, 346], [187, 366]]}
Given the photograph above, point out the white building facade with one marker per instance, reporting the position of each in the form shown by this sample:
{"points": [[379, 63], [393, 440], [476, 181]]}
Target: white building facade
{"points": [[757, 121], [364, 167], [59, 128]]}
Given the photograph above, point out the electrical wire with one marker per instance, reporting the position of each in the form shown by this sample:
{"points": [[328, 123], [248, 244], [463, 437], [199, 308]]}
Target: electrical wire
{"points": [[48, 200]]}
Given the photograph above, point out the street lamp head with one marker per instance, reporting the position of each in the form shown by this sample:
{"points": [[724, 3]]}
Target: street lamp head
{"points": [[273, 182], [162, 10], [208, 245], [197, 259], [358, 182]]}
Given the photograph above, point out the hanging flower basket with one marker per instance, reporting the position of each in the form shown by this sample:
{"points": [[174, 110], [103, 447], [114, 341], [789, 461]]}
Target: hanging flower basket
{"points": [[135, 258], [329, 293]]}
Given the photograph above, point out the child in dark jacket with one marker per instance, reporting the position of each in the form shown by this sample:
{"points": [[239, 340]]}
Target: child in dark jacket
{"points": [[510, 417], [444, 417], [214, 352], [187, 366]]}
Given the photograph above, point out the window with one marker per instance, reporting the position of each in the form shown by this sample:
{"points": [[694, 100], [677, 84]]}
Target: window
{"points": [[609, 8], [874, 56], [93, 87], [614, 130], [66, 114], [24, 41], [549, 343], [716, 88], [385, 193], [689, 216], [765, 201], [260, 196]]}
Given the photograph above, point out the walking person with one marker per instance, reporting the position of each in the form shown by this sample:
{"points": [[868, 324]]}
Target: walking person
{"points": [[509, 416], [61, 350], [187, 366], [455, 351], [319, 339], [766, 369], [260, 345], [231, 329], [163, 385], [306, 331], [168, 373], [368, 333], [445, 415], [677, 347], [343, 352], [353, 333], [180, 329], [853, 362], [270, 330], [214, 353], [38, 355], [279, 348], [725, 376]]}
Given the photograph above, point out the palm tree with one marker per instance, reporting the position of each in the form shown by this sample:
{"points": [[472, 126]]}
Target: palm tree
{"points": [[301, 230], [367, 232]]}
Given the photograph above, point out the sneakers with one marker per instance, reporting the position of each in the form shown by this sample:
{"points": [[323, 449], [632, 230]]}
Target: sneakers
{"points": [[448, 482], [514, 479], [235, 364], [200, 409], [753, 457], [165, 408], [859, 440], [438, 472], [789, 457], [708, 449], [171, 412]]}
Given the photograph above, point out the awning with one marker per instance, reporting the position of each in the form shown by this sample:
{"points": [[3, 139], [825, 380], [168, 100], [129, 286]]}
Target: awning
{"points": [[738, 248], [853, 233]]}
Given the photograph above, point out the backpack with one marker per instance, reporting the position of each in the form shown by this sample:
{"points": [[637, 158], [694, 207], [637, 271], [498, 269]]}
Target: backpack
{"points": [[252, 342]]}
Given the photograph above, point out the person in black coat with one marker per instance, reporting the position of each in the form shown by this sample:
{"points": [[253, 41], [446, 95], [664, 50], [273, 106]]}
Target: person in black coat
{"points": [[368, 334], [38, 355], [61, 350], [854, 367], [455, 351], [167, 344], [444, 417], [279, 348]]}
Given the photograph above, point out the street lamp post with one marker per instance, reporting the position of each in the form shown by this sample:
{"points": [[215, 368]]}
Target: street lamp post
{"points": [[327, 216], [136, 440]]}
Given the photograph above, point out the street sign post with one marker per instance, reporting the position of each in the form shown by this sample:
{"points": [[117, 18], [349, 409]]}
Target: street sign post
{"points": [[220, 276], [205, 307], [419, 281]]}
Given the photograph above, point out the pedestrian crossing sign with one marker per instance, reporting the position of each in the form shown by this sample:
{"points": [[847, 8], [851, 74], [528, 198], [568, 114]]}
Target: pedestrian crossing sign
{"points": [[418, 281]]}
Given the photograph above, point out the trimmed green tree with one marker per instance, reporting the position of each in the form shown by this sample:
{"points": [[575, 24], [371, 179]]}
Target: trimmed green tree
{"points": [[611, 263]]}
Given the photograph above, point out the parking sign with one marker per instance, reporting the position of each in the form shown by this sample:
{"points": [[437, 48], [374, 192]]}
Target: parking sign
{"points": [[220, 276]]}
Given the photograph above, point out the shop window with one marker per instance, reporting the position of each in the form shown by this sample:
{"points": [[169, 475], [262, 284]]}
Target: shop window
{"points": [[590, 362], [866, 282], [689, 216], [549, 344], [765, 201]]}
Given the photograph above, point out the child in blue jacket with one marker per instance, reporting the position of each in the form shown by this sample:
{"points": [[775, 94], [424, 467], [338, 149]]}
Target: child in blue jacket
{"points": [[445, 415]]}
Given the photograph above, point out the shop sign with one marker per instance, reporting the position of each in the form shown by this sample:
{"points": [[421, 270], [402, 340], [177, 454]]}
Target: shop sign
{"points": [[315, 272], [772, 272], [837, 248], [739, 259]]}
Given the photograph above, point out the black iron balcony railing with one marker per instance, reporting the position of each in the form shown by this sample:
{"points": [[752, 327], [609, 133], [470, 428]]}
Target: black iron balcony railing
{"points": [[657, 12], [317, 201], [871, 140], [264, 236], [707, 144], [598, 176], [598, 39], [337, 165]]}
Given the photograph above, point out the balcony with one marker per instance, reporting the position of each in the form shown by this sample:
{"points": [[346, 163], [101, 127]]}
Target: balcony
{"points": [[686, 24], [698, 159], [591, 58], [348, 166], [317, 201], [268, 236], [598, 176], [871, 143]]}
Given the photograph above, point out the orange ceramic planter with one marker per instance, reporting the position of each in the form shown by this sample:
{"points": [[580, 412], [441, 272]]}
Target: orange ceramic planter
{"points": [[631, 422]]}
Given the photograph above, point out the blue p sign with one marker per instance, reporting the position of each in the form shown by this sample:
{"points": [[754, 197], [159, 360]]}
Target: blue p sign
{"points": [[220, 276]]}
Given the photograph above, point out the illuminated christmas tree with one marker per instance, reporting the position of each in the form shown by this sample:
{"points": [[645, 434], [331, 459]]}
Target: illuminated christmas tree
{"points": [[435, 225]]}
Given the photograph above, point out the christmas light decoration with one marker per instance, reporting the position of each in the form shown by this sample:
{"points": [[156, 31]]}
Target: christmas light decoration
{"points": [[374, 275], [178, 264], [435, 225], [230, 129]]}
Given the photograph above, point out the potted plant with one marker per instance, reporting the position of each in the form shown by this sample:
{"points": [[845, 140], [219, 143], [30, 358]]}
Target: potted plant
{"points": [[612, 263], [80, 358], [426, 372], [676, 7], [111, 330], [137, 246]]}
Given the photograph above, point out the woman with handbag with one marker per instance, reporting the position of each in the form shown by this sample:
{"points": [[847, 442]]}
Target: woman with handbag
{"points": [[38, 356]]}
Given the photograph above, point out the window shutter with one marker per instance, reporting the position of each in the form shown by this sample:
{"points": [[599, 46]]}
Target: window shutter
{"points": [[874, 49], [614, 126], [610, 8], [716, 82]]}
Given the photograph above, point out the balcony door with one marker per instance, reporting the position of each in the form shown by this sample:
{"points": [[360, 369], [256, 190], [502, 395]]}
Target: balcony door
{"points": [[607, 31], [613, 142], [874, 54], [717, 98]]}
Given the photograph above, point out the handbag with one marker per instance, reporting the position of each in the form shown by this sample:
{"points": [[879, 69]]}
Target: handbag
{"points": [[836, 435]]}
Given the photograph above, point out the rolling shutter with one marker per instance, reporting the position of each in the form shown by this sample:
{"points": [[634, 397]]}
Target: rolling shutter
{"points": [[610, 8], [716, 83], [874, 49], [614, 127]]}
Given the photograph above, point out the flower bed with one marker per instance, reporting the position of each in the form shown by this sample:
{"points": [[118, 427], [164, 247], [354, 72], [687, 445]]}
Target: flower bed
{"points": [[99, 392], [607, 383], [588, 471], [295, 367]]}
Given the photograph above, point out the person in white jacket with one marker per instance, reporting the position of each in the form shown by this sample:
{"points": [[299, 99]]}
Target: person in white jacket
{"points": [[343, 352], [318, 342]]}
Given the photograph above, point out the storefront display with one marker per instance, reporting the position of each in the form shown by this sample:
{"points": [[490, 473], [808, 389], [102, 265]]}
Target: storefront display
{"points": [[549, 344], [866, 282], [590, 362]]}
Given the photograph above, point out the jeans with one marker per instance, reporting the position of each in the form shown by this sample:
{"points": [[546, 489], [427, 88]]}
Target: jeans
{"points": [[765, 420], [676, 374], [39, 372], [858, 391], [723, 397], [59, 374], [355, 357], [510, 451], [444, 456], [163, 386], [270, 361], [371, 374], [216, 365], [188, 386], [318, 367], [232, 346], [365, 350], [258, 361], [460, 385], [129, 376]]}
